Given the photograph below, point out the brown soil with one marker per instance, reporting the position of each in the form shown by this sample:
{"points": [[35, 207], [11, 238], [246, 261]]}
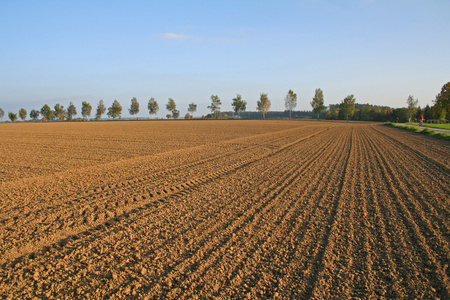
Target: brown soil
{"points": [[232, 209]]}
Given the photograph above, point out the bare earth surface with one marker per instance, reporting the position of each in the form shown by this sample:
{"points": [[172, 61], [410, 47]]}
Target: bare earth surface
{"points": [[223, 209]]}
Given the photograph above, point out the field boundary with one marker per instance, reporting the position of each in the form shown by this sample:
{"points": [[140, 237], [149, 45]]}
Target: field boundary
{"points": [[435, 132]]}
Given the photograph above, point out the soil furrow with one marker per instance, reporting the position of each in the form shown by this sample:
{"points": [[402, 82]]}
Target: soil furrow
{"points": [[130, 201], [335, 254], [386, 272], [411, 238], [236, 241], [230, 210]]}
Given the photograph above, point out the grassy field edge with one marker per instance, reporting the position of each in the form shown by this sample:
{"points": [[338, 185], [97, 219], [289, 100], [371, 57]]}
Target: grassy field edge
{"points": [[420, 130]]}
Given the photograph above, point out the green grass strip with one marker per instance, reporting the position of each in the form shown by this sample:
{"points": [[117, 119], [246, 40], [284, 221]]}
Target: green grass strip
{"points": [[442, 126], [422, 131]]}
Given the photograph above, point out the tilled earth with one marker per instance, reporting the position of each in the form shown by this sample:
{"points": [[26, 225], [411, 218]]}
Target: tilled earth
{"points": [[233, 209]]}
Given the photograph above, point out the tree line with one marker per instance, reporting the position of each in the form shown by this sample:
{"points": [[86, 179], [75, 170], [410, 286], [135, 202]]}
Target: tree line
{"points": [[348, 109], [367, 112], [115, 110]]}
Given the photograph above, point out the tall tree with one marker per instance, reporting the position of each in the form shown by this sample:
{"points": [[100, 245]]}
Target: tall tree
{"points": [[317, 103], [134, 108], [175, 113], [192, 108], [239, 105], [47, 112], [412, 106], [23, 114], [441, 107], [34, 114], [59, 111], [172, 107], [290, 102], [263, 105], [71, 111], [2, 114], [419, 112], [115, 110], [12, 116], [347, 106], [215, 105], [86, 109], [428, 113], [101, 109], [153, 106]]}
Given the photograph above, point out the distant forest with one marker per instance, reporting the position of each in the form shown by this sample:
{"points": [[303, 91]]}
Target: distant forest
{"points": [[363, 112]]}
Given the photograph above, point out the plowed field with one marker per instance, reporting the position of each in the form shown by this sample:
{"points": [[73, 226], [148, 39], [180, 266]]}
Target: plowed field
{"points": [[223, 209]]}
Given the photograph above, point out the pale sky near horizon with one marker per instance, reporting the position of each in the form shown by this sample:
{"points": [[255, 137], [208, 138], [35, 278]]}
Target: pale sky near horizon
{"points": [[380, 51]]}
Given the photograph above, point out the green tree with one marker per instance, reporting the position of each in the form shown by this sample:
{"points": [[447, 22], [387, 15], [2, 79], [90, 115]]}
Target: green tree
{"points": [[115, 110], [263, 105], [347, 106], [134, 107], [59, 112], [86, 109], [153, 107], [2, 114], [419, 112], [171, 106], [401, 113], [317, 103], [333, 112], [23, 114], [12, 116], [428, 112], [239, 105], [290, 102], [215, 105], [101, 109], [441, 107], [34, 114], [412, 106], [192, 108], [71, 111], [175, 114], [47, 112]]}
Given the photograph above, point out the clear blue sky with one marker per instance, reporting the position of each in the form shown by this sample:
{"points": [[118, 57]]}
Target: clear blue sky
{"points": [[380, 51]]}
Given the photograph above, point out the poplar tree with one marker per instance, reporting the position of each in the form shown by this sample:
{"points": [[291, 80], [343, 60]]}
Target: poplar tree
{"points": [[215, 105], [412, 106], [134, 108], [317, 103], [290, 101], [71, 111], [192, 108], [239, 105], [86, 109], [347, 106], [59, 111], [153, 106], [172, 107], [47, 112], [263, 105], [101, 109], [34, 114], [115, 110], [12, 116], [23, 114]]}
